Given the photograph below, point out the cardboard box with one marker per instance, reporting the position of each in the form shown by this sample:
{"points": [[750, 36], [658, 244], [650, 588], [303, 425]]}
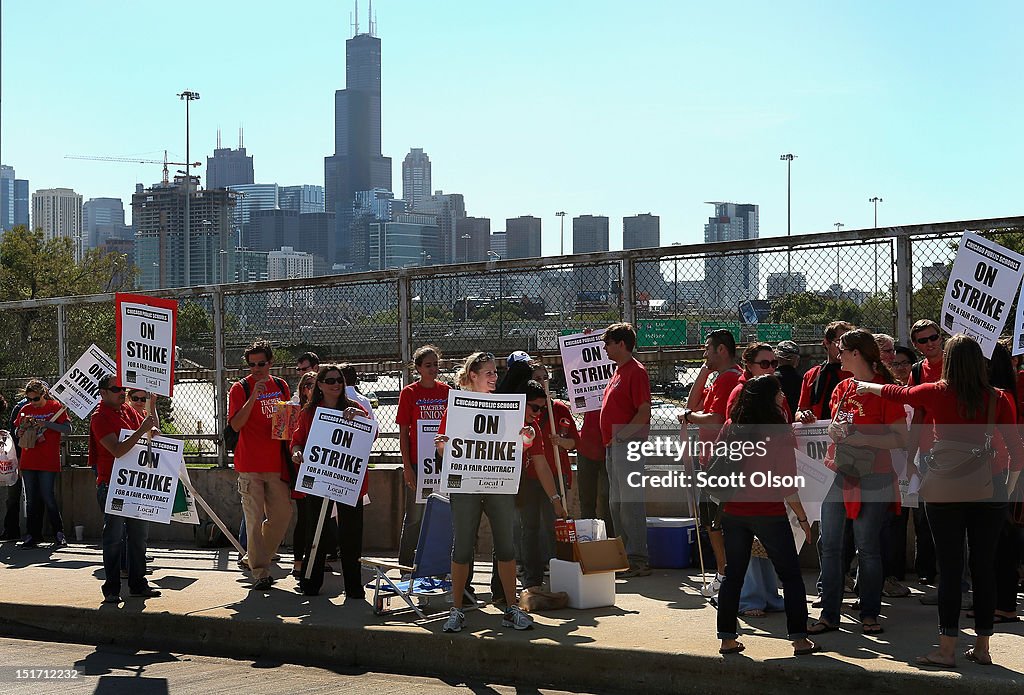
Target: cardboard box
{"points": [[584, 590], [595, 556]]}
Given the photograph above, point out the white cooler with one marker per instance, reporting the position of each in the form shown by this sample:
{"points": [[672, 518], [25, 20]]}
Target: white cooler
{"points": [[585, 590]]}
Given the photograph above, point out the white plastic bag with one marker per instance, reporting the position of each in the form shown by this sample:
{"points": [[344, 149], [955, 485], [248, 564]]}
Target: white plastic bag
{"points": [[8, 460]]}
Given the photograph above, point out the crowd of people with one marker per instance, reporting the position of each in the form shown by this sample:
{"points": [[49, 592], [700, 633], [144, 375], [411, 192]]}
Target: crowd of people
{"points": [[883, 403]]}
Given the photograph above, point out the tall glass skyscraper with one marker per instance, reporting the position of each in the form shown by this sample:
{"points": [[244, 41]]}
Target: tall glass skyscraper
{"points": [[734, 278], [357, 163]]}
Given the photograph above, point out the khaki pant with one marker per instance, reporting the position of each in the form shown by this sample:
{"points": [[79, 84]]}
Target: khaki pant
{"points": [[264, 495]]}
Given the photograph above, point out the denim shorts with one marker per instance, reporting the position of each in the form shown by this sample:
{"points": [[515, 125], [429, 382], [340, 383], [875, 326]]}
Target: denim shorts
{"points": [[466, 511]]}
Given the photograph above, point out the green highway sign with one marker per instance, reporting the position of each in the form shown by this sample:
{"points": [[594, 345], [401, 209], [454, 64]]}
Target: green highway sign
{"points": [[661, 332], [774, 332]]}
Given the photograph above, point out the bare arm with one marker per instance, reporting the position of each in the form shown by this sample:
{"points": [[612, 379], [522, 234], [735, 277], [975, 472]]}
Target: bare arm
{"points": [[696, 396], [547, 481], [119, 449], [242, 416], [640, 420]]}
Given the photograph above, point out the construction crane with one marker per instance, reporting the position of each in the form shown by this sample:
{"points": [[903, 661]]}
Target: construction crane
{"points": [[135, 161]]}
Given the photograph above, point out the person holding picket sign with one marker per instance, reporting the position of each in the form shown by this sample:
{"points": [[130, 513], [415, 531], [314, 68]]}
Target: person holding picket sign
{"points": [[479, 374], [329, 392], [38, 429], [424, 399]]}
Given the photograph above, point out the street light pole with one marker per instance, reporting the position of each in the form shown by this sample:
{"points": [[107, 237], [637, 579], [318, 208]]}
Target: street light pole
{"points": [[876, 200], [188, 96], [788, 159], [561, 232]]}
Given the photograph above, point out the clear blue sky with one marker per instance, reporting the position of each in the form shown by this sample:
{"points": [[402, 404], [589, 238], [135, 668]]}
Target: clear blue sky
{"points": [[532, 107]]}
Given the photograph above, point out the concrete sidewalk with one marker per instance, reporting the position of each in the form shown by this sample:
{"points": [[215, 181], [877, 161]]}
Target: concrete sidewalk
{"points": [[660, 637]]}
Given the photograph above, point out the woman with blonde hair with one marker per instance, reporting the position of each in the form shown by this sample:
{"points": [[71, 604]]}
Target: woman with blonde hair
{"points": [[39, 427], [963, 403]]}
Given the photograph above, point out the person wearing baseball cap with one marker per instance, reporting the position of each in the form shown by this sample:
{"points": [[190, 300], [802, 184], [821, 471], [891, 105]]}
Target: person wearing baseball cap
{"points": [[517, 356], [788, 354]]}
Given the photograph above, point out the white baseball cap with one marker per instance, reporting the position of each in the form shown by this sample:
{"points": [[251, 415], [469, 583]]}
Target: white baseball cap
{"points": [[518, 356]]}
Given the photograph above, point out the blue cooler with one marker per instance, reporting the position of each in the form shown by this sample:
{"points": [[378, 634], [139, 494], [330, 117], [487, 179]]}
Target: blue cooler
{"points": [[669, 541]]}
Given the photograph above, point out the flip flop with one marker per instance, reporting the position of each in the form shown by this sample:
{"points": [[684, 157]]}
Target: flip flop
{"points": [[814, 649], [824, 627], [752, 613], [733, 650], [872, 628], [925, 661], [971, 656]]}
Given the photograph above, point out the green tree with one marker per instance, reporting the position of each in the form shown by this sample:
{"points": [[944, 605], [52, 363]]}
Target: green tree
{"points": [[33, 267], [807, 308]]}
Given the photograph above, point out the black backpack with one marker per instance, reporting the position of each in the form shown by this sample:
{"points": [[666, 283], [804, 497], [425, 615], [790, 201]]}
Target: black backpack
{"points": [[230, 436], [915, 372]]}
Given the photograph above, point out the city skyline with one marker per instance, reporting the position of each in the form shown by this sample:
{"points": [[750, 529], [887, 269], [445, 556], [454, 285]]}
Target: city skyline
{"points": [[872, 108]]}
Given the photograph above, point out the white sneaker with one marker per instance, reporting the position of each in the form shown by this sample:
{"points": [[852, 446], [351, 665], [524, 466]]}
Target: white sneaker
{"points": [[516, 618], [456, 619], [713, 587]]}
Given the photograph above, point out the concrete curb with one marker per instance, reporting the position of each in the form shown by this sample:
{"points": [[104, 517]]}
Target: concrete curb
{"points": [[589, 667]]}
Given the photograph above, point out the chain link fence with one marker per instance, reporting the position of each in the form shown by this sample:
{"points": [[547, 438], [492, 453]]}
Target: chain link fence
{"points": [[762, 290]]}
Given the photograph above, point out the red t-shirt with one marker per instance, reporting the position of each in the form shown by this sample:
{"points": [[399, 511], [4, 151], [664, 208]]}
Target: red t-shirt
{"points": [[948, 423], [1020, 397], [45, 455], [108, 420], [301, 434], [871, 416], [807, 389], [735, 395], [779, 459], [716, 400], [628, 389], [542, 445], [257, 452], [416, 402], [590, 443]]}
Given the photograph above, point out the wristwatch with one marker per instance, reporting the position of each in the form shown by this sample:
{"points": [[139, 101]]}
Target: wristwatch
{"points": [[555, 497], [686, 415]]}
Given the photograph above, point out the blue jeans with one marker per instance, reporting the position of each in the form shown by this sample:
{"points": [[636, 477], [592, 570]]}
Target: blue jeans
{"points": [[776, 536], [626, 502], [115, 543], [760, 587], [876, 498], [40, 491]]}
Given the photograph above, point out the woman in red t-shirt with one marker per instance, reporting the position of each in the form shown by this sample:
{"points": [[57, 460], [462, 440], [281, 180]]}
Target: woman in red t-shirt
{"points": [[758, 425], [329, 392], [962, 397], [40, 463], [758, 359], [862, 421], [424, 399]]}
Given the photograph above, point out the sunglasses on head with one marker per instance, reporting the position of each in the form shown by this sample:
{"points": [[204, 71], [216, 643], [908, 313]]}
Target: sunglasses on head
{"points": [[114, 389], [262, 363], [139, 399], [332, 380], [767, 364], [535, 408], [483, 357], [927, 339]]}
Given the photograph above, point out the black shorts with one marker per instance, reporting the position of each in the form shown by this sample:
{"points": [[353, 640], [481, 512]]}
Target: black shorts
{"points": [[709, 512]]}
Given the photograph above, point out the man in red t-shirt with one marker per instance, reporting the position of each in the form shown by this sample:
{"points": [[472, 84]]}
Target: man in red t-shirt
{"points": [[821, 380], [927, 338], [707, 406], [625, 419], [266, 499], [112, 416]]}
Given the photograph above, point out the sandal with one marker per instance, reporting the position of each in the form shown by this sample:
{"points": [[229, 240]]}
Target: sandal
{"points": [[821, 627], [971, 655], [753, 613], [732, 650], [813, 649], [871, 628], [925, 661]]}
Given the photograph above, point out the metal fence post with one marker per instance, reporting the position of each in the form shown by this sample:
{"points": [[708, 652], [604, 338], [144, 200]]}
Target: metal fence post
{"points": [[404, 322], [904, 286], [220, 397], [62, 347], [629, 290]]}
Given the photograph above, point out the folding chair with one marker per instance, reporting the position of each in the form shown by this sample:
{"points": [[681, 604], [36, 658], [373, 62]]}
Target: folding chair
{"points": [[433, 559]]}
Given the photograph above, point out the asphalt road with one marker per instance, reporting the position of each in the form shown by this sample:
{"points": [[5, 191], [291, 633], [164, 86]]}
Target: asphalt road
{"points": [[76, 668]]}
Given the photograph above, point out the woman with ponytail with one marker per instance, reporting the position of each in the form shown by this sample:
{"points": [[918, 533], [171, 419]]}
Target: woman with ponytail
{"points": [[863, 422]]}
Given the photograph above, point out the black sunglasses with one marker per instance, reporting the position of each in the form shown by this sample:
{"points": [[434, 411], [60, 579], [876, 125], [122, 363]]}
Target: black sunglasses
{"points": [[332, 380], [264, 363], [767, 364], [114, 389], [927, 339], [536, 408], [36, 399], [139, 399]]}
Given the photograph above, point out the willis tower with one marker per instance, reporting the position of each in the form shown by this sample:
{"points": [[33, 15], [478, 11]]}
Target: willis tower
{"points": [[357, 163]]}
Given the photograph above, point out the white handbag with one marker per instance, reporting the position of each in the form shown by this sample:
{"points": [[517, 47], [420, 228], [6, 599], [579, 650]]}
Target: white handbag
{"points": [[8, 460]]}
